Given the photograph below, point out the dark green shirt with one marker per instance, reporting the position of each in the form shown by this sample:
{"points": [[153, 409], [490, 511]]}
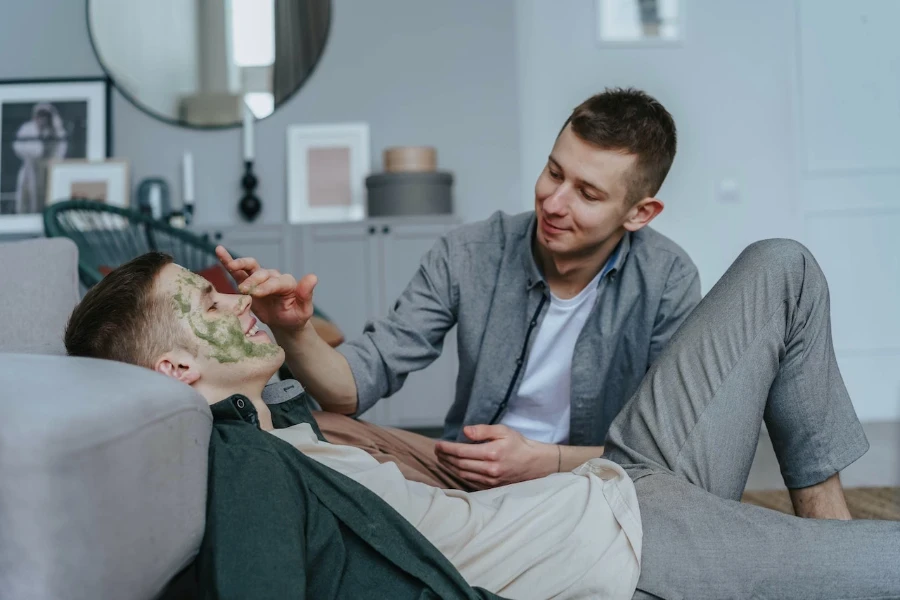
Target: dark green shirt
{"points": [[281, 525]]}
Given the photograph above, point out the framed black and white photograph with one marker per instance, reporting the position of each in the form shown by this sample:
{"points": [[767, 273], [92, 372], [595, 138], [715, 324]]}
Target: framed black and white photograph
{"points": [[42, 121]]}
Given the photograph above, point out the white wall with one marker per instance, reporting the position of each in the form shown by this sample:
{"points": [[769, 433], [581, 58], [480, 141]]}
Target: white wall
{"points": [[728, 87], [795, 101]]}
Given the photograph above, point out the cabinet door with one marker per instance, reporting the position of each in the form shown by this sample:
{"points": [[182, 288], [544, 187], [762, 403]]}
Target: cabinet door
{"points": [[342, 257], [426, 396], [265, 243]]}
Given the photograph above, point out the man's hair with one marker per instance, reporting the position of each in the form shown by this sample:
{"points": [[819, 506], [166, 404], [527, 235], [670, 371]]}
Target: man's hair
{"points": [[125, 318], [633, 122]]}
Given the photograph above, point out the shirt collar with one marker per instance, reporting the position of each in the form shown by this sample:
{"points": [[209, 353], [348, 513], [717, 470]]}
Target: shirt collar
{"points": [[236, 407], [533, 272]]}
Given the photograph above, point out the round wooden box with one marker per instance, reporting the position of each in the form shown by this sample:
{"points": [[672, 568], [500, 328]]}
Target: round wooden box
{"points": [[410, 159]]}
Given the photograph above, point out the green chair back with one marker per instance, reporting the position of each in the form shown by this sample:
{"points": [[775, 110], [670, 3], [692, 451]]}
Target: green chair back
{"points": [[108, 236]]}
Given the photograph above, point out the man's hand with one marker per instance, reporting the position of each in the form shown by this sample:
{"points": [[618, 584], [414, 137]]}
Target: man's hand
{"points": [[505, 456], [278, 299]]}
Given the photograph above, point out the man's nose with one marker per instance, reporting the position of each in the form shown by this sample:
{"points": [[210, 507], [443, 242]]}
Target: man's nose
{"points": [[243, 304], [557, 202]]}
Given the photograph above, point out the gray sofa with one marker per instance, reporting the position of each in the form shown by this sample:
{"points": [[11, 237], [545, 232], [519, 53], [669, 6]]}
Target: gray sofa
{"points": [[102, 465]]}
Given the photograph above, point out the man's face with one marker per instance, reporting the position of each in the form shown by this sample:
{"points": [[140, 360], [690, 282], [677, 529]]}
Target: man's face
{"points": [[228, 348], [579, 198]]}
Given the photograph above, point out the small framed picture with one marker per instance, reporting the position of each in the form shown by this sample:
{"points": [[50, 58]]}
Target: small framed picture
{"points": [[100, 181], [41, 121], [327, 168], [640, 22]]}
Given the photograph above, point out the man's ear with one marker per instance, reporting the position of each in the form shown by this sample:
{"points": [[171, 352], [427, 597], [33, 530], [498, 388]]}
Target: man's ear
{"points": [[180, 365], [642, 213]]}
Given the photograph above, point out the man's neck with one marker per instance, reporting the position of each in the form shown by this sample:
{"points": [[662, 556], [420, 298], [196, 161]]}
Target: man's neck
{"points": [[253, 393], [567, 275]]}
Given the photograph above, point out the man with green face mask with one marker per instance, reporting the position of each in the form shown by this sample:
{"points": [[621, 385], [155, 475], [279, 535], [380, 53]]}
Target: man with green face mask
{"points": [[290, 514]]}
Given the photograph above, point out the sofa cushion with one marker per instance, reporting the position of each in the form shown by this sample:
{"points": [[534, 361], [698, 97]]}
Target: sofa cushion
{"points": [[38, 290], [102, 478]]}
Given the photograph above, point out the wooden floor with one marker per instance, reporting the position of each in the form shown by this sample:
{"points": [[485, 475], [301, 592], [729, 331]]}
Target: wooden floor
{"points": [[864, 502]]}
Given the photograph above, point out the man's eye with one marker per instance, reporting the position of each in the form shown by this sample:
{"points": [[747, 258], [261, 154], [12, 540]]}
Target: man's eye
{"points": [[588, 197], [212, 307], [554, 175]]}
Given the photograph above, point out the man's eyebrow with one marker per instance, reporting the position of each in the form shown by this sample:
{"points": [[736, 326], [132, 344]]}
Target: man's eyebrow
{"points": [[581, 181]]}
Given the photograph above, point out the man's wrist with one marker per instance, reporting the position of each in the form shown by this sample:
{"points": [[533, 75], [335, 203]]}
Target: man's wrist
{"points": [[550, 458]]}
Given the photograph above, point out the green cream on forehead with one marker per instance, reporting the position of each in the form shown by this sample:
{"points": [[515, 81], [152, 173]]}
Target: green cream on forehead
{"points": [[224, 335]]}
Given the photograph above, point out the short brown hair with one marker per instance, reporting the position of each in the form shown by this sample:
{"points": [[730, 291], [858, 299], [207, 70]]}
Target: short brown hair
{"points": [[631, 121], [124, 317]]}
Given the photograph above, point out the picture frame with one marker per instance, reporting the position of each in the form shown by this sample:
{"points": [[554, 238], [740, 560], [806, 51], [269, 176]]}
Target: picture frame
{"points": [[41, 121], [104, 181], [639, 23], [327, 166]]}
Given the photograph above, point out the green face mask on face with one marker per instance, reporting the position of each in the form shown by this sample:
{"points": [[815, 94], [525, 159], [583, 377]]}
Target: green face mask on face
{"points": [[223, 334]]}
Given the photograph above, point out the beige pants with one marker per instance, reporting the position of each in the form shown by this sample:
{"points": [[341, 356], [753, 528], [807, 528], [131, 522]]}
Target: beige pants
{"points": [[411, 452]]}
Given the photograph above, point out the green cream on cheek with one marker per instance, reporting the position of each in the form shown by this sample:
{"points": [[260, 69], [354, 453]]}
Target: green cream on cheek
{"points": [[224, 335]]}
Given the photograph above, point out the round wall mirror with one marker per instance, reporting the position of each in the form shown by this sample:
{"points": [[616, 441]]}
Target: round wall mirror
{"points": [[197, 63]]}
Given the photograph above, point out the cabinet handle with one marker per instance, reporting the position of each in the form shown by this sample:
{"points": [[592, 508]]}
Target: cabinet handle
{"points": [[385, 229], [371, 230], [217, 235]]}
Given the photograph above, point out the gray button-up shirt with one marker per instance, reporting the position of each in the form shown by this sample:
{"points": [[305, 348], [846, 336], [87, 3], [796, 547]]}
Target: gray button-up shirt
{"points": [[483, 278]]}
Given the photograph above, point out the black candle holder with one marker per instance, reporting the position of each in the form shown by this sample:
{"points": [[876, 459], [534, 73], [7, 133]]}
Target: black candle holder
{"points": [[249, 206]]}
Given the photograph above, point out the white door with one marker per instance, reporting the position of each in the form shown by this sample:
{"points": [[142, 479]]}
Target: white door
{"points": [[849, 91]]}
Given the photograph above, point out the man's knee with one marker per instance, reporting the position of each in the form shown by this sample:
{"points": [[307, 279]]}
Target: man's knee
{"points": [[784, 255], [778, 250]]}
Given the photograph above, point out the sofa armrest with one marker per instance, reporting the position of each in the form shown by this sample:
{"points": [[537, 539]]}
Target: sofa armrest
{"points": [[102, 478]]}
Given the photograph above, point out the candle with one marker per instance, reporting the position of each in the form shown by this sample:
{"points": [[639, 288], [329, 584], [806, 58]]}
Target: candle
{"points": [[155, 201], [187, 172], [248, 133]]}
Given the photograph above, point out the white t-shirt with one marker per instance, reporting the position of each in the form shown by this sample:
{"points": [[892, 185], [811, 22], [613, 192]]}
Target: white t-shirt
{"points": [[540, 408], [567, 536]]}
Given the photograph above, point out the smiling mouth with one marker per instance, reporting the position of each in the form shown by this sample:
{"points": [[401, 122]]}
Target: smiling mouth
{"points": [[253, 329], [550, 227]]}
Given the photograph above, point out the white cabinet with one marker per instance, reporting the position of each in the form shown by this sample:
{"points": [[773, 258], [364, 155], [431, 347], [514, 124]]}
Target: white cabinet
{"points": [[266, 243], [362, 269]]}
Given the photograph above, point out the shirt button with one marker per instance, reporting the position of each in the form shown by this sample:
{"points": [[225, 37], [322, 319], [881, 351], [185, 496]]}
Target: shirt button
{"points": [[240, 403], [519, 362]]}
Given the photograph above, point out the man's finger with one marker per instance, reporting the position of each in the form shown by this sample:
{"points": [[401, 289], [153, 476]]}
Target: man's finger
{"points": [[256, 279], [475, 480], [481, 467], [479, 433], [306, 286], [282, 284], [471, 451], [225, 258], [223, 254], [243, 264]]}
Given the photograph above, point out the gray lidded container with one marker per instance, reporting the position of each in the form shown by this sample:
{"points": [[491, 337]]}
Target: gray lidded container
{"points": [[412, 193]]}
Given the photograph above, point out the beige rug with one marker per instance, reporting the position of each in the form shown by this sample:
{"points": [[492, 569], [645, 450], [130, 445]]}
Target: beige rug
{"points": [[864, 502]]}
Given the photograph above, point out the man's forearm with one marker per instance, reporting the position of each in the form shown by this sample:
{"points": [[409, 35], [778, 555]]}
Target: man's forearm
{"points": [[572, 457], [322, 370]]}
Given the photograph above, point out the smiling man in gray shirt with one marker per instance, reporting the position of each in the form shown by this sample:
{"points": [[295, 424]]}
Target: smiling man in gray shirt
{"points": [[559, 312]]}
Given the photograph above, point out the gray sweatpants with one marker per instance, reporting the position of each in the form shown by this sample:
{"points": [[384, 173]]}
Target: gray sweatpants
{"points": [[758, 347]]}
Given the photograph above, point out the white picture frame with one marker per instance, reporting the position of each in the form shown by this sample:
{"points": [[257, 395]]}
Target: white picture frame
{"points": [[619, 24], [104, 181], [336, 190], [78, 118]]}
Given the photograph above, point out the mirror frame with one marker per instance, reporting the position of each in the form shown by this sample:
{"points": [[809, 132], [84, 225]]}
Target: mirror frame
{"points": [[178, 123]]}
